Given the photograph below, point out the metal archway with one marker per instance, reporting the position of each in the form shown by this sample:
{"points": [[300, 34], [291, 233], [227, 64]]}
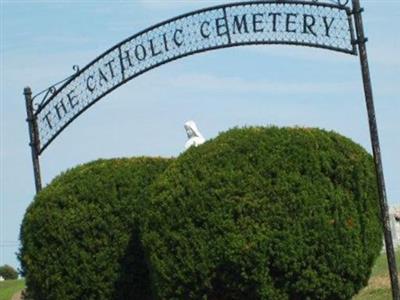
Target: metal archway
{"points": [[327, 24], [321, 25]]}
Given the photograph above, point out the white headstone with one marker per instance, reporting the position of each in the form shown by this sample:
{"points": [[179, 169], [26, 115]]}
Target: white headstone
{"points": [[394, 218]]}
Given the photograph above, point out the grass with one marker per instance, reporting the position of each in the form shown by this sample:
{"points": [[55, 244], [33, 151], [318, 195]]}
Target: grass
{"points": [[9, 287], [379, 284], [378, 287]]}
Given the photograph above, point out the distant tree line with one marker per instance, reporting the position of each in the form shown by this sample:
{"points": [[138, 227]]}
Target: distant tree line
{"points": [[8, 272]]}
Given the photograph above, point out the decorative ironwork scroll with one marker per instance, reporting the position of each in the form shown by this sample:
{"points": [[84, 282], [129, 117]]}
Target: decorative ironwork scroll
{"points": [[314, 24]]}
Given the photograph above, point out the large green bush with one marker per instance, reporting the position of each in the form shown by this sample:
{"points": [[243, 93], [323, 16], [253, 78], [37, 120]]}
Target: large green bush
{"points": [[264, 213], [80, 236]]}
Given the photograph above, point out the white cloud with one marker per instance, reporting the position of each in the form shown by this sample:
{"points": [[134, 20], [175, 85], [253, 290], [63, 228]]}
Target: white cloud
{"points": [[209, 82], [384, 56], [174, 4], [377, 55], [169, 4], [302, 53]]}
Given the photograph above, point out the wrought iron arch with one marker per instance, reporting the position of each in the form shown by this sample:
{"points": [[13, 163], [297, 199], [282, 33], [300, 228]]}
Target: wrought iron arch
{"points": [[327, 24], [302, 23]]}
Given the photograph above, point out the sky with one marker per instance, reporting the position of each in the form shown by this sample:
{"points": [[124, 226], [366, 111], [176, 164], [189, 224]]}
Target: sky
{"points": [[241, 86]]}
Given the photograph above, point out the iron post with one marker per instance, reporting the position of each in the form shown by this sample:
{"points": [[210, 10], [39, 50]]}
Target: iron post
{"points": [[361, 40], [33, 137]]}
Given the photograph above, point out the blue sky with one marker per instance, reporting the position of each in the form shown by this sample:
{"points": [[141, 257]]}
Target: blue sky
{"points": [[255, 85]]}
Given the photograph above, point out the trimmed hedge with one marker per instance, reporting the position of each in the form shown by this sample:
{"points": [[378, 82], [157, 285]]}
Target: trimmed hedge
{"points": [[80, 235], [256, 213], [264, 213]]}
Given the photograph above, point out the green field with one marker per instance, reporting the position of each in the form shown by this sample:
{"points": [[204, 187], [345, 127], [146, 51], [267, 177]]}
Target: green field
{"points": [[9, 287], [379, 283], [378, 288]]}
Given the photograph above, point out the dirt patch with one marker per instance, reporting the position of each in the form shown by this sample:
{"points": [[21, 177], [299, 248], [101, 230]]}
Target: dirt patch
{"points": [[17, 296], [379, 282]]}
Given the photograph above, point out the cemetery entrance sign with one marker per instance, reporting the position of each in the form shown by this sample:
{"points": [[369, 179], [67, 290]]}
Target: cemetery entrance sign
{"points": [[309, 24], [327, 24]]}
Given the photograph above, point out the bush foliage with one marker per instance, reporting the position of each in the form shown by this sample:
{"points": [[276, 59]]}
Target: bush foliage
{"points": [[264, 213], [8, 272], [80, 235], [256, 213]]}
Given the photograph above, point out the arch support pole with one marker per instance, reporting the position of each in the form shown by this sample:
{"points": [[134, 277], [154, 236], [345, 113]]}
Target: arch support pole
{"points": [[33, 138], [390, 253]]}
